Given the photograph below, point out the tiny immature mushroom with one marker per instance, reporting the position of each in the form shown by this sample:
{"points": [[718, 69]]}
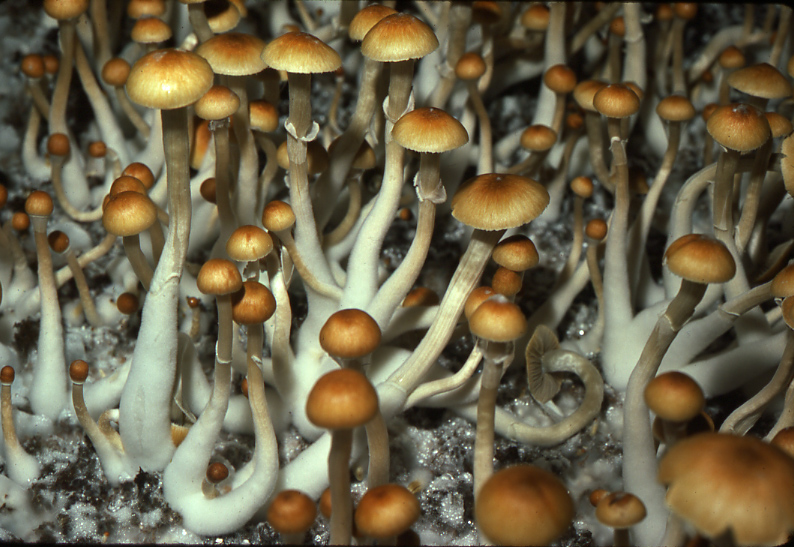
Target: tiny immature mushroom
{"points": [[386, 511], [621, 511], [291, 513]]}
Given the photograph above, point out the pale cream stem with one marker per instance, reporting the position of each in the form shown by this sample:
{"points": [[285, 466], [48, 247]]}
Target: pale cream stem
{"points": [[351, 216], [82, 288], [99, 23], [132, 247], [378, 442], [485, 163], [132, 115], [198, 20], [444, 385], [584, 33], [752, 197], [56, 164]]}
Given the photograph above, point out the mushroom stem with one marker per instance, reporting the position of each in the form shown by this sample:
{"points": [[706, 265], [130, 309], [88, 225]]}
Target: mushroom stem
{"points": [[339, 476], [132, 247], [378, 441], [486, 408], [82, 288], [21, 467]]}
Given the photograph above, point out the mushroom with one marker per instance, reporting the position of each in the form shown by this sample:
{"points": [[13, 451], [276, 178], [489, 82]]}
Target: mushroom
{"points": [[386, 512], [291, 514], [21, 467], [621, 511]]}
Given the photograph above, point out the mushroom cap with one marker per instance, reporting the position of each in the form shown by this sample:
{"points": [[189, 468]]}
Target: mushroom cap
{"points": [[224, 19], [620, 510], [78, 371], [386, 511], [784, 439], [217, 472], [58, 144], [787, 163], [350, 334], [538, 138], [39, 203], [616, 101], [128, 214], [429, 129], [585, 91], [218, 103], [674, 396], [498, 319], [720, 482], [342, 399], [263, 116], [739, 127], [150, 30], [143, 8], [291, 512], [596, 229], [253, 304], [420, 296], [582, 186], [127, 303], [536, 17], [398, 37], [141, 172], [507, 282], [169, 78], [7, 375], [248, 243], [496, 201], [475, 298], [470, 66], [760, 80], [367, 18], [560, 78], [278, 216], [675, 108], [523, 505], [65, 9], [208, 190], [219, 276], [731, 57], [301, 53], [316, 157], [783, 283], [32, 65], [58, 241], [116, 71], [700, 258], [778, 124], [234, 54], [517, 253]]}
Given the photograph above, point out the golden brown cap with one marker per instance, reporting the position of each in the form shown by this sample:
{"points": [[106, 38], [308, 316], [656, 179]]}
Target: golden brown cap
{"points": [[141, 172], [128, 214], [507, 282], [398, 37], [223, 20], [386, 511], [248, 243], [739, 127], [616, 101], [496, 201], [127, 303], [420, 296], [470, 66], [7, 375], [585, 91], [620, 510], [58, 144], [365, 19], [97, 149], [32, 65], [498, 320], [783, 283], [208, 190], [429, 129], [516, 253], [263, 116], [536, 18], [78, 371], [65, 9], [217, 472], [760, 80], [731, 57], [560, 78], [477, 297], [143, 8], [779, 125], [538, 138], [234, 54], [700, 258], [301, 53], [317, 159], [58, 241], [126, 183], [342, 399], [20, 221], [350, 334], [291, 512], [719, 483], [218, 103], [39, 203], [523, 505], [150, 30], [278, 216], [674, 396], [485, 12], [253, 304], [675, 108], [219, 276], [168, 79], [582, 186], [596, 229]]}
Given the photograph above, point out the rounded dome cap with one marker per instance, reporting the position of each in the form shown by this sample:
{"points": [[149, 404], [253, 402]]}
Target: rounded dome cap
{"points": [[523, 505], [365, 19], [65, 9], [218, 103], [278, 216], [560, 78], [219, 276], [248, 243], [253, 304], [39, 203], [234, 54], [674, 396], [675, 108], [128, 214], [616, 101], [350, 334], [429, 130], [169, 78], [342, 399], [761, 80], [496, 201], [516, 253], [701, 259], [398, 37], [470, 66], [739, 127], [386, 511], [719, 482], [301, 53], [498, 319], [291, 512], [620, 510]]}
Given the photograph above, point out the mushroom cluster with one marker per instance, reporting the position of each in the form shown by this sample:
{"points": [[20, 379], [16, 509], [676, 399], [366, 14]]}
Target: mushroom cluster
{"points": [[335, 214]]}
